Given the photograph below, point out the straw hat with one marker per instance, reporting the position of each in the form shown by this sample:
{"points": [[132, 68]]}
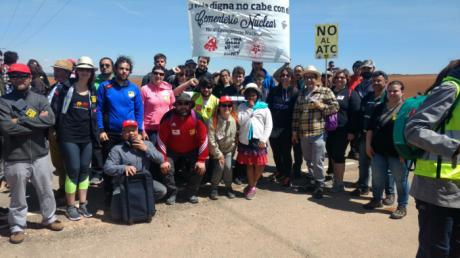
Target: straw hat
{"points": [[311, 69]]}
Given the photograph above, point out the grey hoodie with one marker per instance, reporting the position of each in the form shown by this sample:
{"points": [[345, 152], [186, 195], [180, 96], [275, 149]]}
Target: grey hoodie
{"points": [[420, 133]]}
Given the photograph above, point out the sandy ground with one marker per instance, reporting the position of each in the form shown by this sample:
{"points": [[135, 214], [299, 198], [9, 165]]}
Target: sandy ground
{"points": [[279, 222]]}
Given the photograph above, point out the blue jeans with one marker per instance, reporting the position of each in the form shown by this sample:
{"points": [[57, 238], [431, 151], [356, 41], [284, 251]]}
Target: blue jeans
{"points": [[439, 231], [365, 170], [380, 167], [314, 152]]}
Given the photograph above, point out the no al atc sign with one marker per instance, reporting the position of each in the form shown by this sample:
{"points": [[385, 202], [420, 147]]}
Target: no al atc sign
{"points": [[326, 41]]}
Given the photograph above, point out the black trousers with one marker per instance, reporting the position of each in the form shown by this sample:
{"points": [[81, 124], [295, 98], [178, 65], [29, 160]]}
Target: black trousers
{"points": [[281, 147], [188, 173], [114, 139]]}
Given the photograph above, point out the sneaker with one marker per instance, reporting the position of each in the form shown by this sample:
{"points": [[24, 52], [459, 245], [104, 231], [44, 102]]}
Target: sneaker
{"points": [[328, 178], [96, 181], [17, 237], [72, 213], [360, 191], [251, 193], [399, 213], [4, 212], [237, 181], [213, 194], [318, 193], [286, 182], [373, 204], [389, 200], [56, 226], [230, 194], [193, 199], [4, 223], [338, 188], [83, 210], [171, 199]]}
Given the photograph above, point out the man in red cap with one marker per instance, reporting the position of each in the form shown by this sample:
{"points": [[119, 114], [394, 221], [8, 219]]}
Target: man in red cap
{"points": [[133, 155], [183, 136], [24, 118]]}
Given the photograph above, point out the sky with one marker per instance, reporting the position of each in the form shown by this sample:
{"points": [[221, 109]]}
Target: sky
{"points": [[404, 37]]}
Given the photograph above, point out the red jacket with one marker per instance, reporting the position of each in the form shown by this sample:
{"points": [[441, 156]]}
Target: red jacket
{"points": [[354, 81], [182, 135]]}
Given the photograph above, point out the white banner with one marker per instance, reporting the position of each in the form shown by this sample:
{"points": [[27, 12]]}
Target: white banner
{"points": [[242, 29]]}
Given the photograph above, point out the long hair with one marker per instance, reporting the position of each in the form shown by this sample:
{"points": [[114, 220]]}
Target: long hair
{"points": [[90, 82]]}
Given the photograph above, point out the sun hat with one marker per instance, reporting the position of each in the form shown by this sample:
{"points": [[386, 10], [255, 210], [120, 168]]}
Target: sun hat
{"points": [[251, 86], [367, 63], [85, 63], [63, 64], [19, 68], [311, 69], [129, 123]]}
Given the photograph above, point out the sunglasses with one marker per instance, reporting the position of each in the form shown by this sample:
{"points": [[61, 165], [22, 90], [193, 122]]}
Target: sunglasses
{"points": [[226, 105], [157, 73], [104, 65], [310, 77], [182, 103], [284, 75], [18, 76], [207, 87]]}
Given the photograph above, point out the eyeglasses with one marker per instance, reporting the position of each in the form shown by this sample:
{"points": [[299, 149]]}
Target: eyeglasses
{"points": [[182, 103], [226, 105], [18, 76], [340, 77], [104, 65], [157, 73]]}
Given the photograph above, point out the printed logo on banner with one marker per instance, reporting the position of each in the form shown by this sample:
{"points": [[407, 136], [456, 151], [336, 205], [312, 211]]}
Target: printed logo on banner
{"points": [[211, 45], [232, 46], [257, 48]]}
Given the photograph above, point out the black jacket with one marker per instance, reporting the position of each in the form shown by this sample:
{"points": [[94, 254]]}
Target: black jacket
{"points": [[24, 140], [349, 111], [281, 104]]}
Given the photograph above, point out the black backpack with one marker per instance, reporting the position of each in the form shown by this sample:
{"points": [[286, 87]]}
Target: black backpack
{"points": [[135, 202]]}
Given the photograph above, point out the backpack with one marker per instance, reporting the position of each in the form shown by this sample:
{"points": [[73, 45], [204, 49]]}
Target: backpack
{"points": [[408, 109]]}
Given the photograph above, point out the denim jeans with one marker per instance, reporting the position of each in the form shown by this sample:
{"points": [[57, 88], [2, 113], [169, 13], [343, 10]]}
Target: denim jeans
{"points": [[380, 167], [314, 151], [365, 170], [439, 231]]}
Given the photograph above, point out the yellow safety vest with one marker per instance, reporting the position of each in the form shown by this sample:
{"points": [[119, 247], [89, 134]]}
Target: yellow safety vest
{"points": [[427, 165], [206, 111]]}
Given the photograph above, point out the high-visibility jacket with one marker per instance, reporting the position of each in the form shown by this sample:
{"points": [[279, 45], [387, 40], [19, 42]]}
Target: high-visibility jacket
{"points": [[427, 165], [206, 111]]}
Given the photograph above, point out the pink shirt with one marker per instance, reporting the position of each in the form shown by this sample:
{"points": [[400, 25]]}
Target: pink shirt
{"points": [[158, 99]]}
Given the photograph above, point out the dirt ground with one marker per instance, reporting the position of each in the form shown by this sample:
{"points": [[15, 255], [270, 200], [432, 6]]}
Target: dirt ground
{"points": [[279, 222]]}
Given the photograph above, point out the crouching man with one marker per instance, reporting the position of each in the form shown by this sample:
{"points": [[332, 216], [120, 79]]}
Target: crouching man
{"points": [[183, 137], [24, 118], [133, 155]]}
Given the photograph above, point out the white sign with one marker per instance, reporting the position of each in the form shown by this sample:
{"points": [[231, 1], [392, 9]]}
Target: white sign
{"points": [[242, 29], [326, 41]]}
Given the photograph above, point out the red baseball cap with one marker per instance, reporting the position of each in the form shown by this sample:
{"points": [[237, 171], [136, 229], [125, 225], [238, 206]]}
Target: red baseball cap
{"points": [[19, 68], [225, 99], [129, 123]]}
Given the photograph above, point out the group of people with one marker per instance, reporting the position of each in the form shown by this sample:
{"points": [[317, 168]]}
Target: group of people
{"points": [[187, 124]]}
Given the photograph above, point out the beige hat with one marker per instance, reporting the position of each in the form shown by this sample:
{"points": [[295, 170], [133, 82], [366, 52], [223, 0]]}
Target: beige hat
{"points": [[85, 62], [63, 64], [252, 85], [311, 69]]}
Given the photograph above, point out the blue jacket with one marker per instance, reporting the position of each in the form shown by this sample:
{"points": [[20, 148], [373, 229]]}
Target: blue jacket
{"points": [[268, 83], [117, 103]]}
